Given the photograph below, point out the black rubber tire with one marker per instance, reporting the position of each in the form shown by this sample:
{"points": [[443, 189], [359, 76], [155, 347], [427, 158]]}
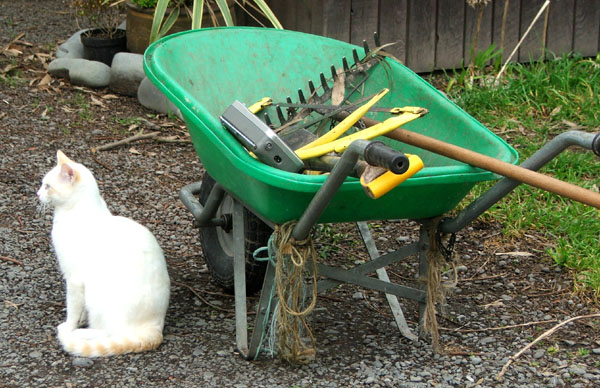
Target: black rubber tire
{"points": [[217, 246]]}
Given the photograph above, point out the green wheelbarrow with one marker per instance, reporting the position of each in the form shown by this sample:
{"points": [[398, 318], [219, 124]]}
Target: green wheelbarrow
{"points": [[240, 199]]}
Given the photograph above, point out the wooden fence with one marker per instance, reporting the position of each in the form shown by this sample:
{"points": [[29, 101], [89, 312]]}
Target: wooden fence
{"points": [[438, 34]]}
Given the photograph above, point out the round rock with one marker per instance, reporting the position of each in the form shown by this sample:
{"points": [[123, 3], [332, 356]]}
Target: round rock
{"points": [[152, 98], [72, 48], [126, 73]]}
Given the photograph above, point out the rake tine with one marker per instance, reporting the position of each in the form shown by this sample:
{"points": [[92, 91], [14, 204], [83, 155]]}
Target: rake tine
{"points": [[377, 39], [268, 120], [345, 64], [355, 57], [301, 96], [324, 82], [291, 111], [311, 87], [366, 47], [280, 115], [334, 72]]}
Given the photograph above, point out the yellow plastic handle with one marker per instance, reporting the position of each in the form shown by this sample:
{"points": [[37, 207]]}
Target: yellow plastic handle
{"points": [[387, 181], [340, 145], [347, 123], [260, 105]]}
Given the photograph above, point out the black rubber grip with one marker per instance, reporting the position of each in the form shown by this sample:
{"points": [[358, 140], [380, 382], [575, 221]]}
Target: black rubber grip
{"points": [[380, 155], [596, 144]]}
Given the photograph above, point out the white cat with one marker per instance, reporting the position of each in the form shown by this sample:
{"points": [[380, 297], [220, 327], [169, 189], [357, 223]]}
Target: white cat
{"points": [[114, 268]]}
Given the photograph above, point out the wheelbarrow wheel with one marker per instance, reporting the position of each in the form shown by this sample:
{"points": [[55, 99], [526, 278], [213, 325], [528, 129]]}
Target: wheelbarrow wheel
{"points": [[217, 243]]}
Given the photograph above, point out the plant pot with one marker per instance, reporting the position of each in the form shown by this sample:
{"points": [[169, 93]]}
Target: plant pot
{"points": [[98, 47], [139, 24]]}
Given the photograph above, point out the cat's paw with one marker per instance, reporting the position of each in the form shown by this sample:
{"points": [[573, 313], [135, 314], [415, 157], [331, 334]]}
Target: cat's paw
{"points": [[65, 328]]}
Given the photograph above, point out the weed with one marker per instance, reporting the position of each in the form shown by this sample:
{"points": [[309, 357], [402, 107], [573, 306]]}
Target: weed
{"points": [[126, 121], [553, 349], [582, 352]]}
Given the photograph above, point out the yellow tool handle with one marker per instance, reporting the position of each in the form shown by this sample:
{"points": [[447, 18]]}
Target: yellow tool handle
{"points": [[260, 105], [369, 133], [347, 123], [387, 181]]}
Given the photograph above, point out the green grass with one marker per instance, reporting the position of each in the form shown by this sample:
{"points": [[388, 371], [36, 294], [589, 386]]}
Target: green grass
{"points": [[532, 104]]}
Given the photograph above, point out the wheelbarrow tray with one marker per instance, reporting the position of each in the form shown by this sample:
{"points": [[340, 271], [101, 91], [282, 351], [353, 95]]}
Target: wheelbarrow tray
{"points": [[203, 71]]}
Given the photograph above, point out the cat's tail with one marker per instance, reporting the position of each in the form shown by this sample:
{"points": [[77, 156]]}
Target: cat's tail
{"points": [[98, 343]]}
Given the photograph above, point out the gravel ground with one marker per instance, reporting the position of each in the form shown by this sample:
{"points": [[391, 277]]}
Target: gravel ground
{"points": [[357, 344]]}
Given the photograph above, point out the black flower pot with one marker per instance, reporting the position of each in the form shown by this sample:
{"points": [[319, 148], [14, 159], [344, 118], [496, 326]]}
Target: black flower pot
{"points": [[97, 46]]}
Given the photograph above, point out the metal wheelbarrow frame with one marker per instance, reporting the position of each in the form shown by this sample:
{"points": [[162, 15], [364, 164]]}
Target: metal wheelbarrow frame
{"points": [[319, 199]]}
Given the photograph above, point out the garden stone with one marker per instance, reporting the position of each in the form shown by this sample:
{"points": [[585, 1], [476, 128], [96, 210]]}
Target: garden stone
{"points": [[72, 48], [152, 98], [126, 73], [82, 72], [82, 362]]}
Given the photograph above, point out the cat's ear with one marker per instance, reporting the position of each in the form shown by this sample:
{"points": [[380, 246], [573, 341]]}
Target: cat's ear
{"points": [[62, 158], [67, 173]]}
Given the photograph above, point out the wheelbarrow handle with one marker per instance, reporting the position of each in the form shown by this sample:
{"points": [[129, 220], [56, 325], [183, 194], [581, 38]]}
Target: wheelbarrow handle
{"points": [[380, 155]]}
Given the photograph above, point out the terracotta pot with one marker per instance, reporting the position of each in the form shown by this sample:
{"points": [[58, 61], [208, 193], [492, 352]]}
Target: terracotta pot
{"points": [[97, 47], [139, 24]]}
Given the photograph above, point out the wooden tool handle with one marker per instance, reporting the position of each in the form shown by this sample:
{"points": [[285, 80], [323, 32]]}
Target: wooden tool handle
{"points": [[485, 162], [508, 170]]}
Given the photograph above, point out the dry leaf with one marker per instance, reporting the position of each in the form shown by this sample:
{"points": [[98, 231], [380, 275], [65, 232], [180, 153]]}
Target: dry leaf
{"points": [[134, 151], [8, 68], [11, 52], [132, 127], [24, 43], [497, 303], [339, 88], [109, 96], [46, 80], [95, 101]]}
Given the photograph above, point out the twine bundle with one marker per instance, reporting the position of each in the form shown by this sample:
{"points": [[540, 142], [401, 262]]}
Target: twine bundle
{"points": [[291, 315], [435, 289]]}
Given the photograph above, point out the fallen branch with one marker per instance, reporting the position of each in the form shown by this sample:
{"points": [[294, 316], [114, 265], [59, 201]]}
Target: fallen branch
{"points": [[538, 339], [12, 260], [171, 139], [131, 139]]}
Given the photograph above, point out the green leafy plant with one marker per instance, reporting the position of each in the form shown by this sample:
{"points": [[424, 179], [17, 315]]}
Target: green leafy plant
{"points": [[160, 25], [104, 15]]}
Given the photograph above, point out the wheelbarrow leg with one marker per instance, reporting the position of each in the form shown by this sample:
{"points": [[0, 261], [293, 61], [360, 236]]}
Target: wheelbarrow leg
{"points": [[363, 228], [266, 296], [239, 279]]}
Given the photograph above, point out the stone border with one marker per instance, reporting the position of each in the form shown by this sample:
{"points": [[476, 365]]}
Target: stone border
{"points": [[125, 76]]}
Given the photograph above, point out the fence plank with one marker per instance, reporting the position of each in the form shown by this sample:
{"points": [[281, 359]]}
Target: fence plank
{"points": [[511, 29], [587, 18], [485, 33], [393, 24], [336, 19], [364, 21], [315, 9], [450, 34], [420, 46], [435, 34], [532, 48], [560, 26]]}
